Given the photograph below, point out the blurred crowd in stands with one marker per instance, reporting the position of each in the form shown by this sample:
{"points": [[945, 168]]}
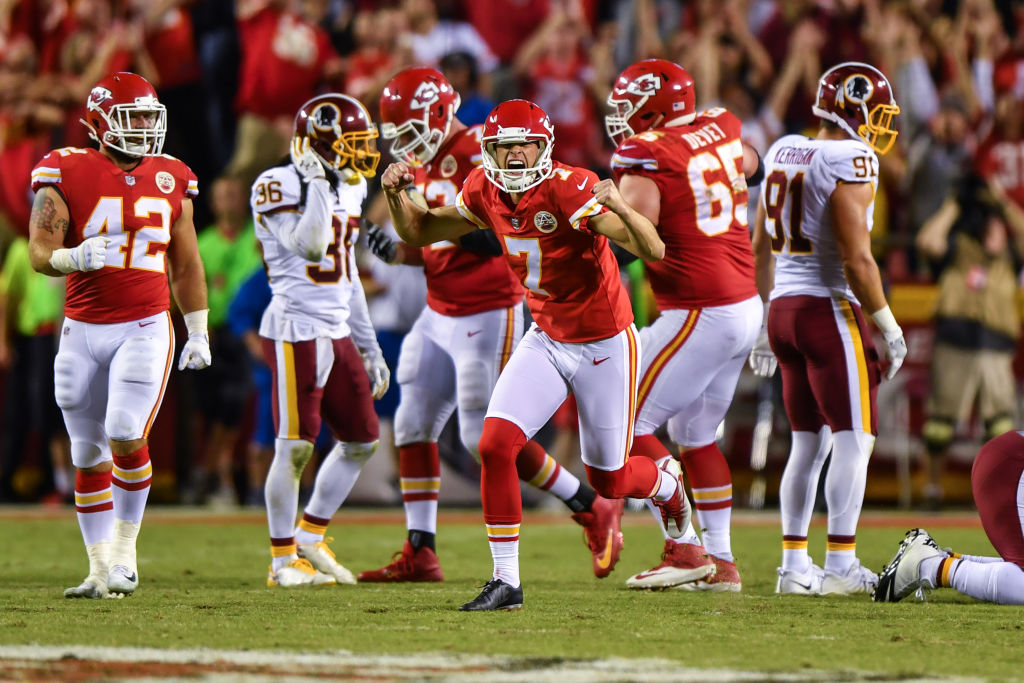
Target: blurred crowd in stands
{"points": [[233, 73]]}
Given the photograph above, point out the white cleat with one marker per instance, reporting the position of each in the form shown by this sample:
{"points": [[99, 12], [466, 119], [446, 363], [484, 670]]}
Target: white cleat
{"points": [[93, 588], [325, 561], [857, 579], [122, 579], [298, 573], [808, 582], [902, 576]]}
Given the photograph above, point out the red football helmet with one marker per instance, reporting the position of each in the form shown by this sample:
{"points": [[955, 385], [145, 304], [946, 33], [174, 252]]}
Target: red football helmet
{"points": [[341, 133], [123, 113], [858, 98], [648, 94], [417, 108], [511, 122]]}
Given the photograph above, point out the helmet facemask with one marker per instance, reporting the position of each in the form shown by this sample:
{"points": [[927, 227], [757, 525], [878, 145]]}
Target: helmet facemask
{"points": [[122, 134], [516, 180], [414, 141]]}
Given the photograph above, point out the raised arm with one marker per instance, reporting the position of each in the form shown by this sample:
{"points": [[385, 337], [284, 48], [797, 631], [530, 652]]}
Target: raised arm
{"points": [[636, 206], [416, 225]]}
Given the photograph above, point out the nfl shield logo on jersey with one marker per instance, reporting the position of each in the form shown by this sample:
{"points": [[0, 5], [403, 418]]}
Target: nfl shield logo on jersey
{"points": [[129, 180], [515, 222]]}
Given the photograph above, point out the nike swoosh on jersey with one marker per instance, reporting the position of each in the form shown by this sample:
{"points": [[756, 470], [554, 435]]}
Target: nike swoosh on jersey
{"points": [[606, 557], [147, 324], [598, 361], [582, 185], [473, 334]]}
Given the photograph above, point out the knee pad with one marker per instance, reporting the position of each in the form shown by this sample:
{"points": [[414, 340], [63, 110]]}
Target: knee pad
{"points": [[994, 426], [121, 425], [70, 387], [358, 452], [473, 385], [418, 420], [409, 358], [296, 452], [937, 434], [85, 454], [140, 359]]}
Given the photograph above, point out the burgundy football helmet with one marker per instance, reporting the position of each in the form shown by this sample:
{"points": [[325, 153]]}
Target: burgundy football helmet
{"points": [[647, 94], [341, 133], [417, 108], [858, 98], [511, 122], [123, 113]]}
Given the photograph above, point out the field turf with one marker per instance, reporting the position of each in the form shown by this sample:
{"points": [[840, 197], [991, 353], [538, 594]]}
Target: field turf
{"points": [[203, 580]]}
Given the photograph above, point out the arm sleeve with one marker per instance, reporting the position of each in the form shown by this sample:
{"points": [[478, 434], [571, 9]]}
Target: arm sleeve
{"points": [[359, 314], [306, 232]]}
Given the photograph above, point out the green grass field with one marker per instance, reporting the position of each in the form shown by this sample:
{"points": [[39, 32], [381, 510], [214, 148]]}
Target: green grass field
{"points": [[203, 585]]}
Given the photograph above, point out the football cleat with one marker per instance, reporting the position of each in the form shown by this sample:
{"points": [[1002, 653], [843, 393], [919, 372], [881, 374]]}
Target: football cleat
{"points": [[902, 576], [407, 566], [792, 582], [298, 573], [122, 579], [93, 588], [325, 561], [496, 595], [602, 534], [857, 579], [725, 578], [680, 563], [675, 512]]}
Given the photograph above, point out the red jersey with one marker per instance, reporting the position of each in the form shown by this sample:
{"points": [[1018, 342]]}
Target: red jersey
{"points": [[572, 281], [136, 210], [1002, 160], [461, 282], [698, 169], [283, 58]]}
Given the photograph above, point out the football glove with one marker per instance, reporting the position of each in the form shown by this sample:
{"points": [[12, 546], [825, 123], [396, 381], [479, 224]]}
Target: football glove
{"points": [[762, 359], [91, 254], [896, 350], [377, 369], [195, 355], [382, 246], [306, 161]]}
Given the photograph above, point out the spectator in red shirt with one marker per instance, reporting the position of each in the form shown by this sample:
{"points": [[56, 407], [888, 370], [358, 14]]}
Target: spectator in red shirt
{"points": [[285, 57]]}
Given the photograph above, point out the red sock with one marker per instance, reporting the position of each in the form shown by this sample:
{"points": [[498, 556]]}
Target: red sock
{"points": [[649, 446], [707, 469], [638, 478], [500, 444], [531, 460], [419, 469]]}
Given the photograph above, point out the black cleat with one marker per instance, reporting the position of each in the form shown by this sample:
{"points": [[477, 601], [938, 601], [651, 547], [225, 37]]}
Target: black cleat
{"points": [[496, 595]]}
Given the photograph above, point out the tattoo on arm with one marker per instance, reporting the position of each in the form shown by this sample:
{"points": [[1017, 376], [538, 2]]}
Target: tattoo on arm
{"points": [[44, 217]]}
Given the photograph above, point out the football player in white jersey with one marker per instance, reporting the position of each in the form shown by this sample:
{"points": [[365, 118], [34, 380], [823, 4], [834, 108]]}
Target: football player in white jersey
{"points": [[813, 236], [318, 339]]}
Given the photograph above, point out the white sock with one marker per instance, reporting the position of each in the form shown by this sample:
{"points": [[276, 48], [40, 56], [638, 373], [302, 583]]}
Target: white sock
{"points": [[506, 561], [844, 493], [690, 535], [998, 582], [337, 476], [797, 490], [282, 496]]}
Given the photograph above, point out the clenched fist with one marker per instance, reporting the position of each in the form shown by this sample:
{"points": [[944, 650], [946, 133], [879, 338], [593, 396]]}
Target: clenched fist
{"points": [[396, 177]]}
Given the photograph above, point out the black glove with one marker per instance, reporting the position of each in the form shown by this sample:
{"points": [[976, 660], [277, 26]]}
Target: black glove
{"points": [[382, 246]]}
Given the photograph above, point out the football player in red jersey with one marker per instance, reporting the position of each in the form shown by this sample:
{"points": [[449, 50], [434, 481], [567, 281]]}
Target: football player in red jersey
{"points": [[687, 171], [455, 351], [553, 224], [116, 221]]}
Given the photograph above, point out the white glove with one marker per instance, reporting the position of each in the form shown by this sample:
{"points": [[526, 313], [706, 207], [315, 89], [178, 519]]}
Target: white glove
{"points": [[306, 161], [896, 350], [762, 359], [91, 254], [377, 369], [896, 345], [195, 355]]}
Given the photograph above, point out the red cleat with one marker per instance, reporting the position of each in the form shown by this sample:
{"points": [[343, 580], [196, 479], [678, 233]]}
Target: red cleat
{"points": [[681, 564], [602, 533], [725, 578], [407, 566]]}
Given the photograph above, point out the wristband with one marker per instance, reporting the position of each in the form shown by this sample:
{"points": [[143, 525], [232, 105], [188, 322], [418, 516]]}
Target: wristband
{"points": [[61, 261], [886, 322], [195, 322]]}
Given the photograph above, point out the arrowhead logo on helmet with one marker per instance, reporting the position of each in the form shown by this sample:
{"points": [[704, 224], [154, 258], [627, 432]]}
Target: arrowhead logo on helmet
{"points": [[417, 108], [649, 94], [426, 94], [648, 84]]}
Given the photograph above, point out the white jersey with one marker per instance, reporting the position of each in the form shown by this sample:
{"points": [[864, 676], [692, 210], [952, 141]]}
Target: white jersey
{"points": [[800, 176], [310, 299]]}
